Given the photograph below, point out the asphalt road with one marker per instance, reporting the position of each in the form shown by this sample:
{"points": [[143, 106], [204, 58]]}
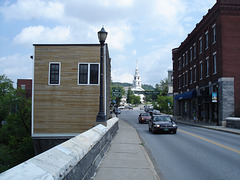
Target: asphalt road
{"points": [[191, 154]]}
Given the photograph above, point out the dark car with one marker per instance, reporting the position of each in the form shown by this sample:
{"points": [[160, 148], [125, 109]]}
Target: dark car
{"points": [[144, 118], [162, 123]]}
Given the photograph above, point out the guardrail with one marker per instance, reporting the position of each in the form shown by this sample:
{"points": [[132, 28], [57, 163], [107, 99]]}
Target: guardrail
{"points": [[77, 158]]}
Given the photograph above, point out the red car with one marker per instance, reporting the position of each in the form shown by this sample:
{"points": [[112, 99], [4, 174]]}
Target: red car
{"points": [[144, 118]]}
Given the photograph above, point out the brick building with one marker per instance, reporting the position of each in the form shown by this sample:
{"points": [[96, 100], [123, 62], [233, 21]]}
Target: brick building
{"points": [[206, 75], [25, 84]]}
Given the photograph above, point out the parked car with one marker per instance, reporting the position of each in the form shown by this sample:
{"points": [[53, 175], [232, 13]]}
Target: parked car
{"points": [[130, 107], [144, 118], [156, 112], [121, 107], [162, 123]]}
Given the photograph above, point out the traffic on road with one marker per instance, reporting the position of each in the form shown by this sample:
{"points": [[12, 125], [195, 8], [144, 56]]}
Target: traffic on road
{"points": [[192, 153]]}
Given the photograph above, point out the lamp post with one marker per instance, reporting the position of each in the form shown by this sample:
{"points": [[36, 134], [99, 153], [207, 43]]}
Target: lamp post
{"points": [[101, 117]]}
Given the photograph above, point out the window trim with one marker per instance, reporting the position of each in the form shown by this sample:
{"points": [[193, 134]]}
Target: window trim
{"points": [[88, 74], [214, 37], [191, 54], [215, 63], [207, 67], [194, 51], [201, 70], [195, 74], [200, 45], [49, 73], [206, 40]]}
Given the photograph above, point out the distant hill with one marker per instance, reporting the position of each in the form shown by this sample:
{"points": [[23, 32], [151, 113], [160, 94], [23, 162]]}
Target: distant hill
{"points": [[146, 87]]}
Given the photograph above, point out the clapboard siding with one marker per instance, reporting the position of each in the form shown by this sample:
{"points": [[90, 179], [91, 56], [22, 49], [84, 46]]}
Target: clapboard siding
{"points": [[68, 107]]}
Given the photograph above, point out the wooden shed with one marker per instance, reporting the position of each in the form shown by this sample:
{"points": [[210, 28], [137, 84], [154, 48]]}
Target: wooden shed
{"points": [[66, 88]]}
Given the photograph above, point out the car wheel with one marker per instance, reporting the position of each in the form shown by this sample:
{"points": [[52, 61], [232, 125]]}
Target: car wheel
{"points": [[175, 131], [140, 122]]}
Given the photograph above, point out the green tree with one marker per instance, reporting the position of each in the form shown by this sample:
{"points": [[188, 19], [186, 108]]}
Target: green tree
{"points": [[16, 144], [164, 104], [129, 95], [6, 96]]}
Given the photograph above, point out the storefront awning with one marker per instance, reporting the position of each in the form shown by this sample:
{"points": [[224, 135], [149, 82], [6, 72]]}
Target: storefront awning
{"points": [[187, 95]]}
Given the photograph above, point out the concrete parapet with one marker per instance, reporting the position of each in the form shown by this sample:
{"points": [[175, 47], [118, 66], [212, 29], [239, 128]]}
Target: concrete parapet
{"points": [[233, 122], [77, 158]]}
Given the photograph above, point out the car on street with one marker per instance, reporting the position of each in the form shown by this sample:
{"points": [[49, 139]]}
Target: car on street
{"points": [[121, 107], [130, 107], [144, 117], [156, 112], [162, 123]]}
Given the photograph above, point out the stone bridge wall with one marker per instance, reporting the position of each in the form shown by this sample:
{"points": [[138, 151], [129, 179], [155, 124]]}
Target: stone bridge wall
{"points": [[77, 158]]}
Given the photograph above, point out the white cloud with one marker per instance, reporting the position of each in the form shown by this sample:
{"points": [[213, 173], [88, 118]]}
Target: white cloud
{"points": [[119, 76], [40, 34], [16, 66], [119, 3], [28, 9], [137, 29]]}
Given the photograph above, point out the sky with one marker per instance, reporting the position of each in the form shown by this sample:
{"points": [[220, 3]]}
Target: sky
{"points": [[139, 31]]}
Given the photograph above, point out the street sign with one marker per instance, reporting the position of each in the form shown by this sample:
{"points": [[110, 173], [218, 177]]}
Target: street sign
{"points": [[116, 93], [151, 92]]}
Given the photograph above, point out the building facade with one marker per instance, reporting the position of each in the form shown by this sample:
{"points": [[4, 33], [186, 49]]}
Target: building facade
{"points": [[25, 84], [66, 88], [206, 76]]}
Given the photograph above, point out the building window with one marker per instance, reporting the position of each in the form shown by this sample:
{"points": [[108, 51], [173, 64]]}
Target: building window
{"points": [[191, 54], [200, 45], [206, 40], [186, 57], [88, 73], [214, 63], [194, 50], [183, 80], [207, 66], [186, 78], [201, 70], [195, 74], [191, 75], [179, 63], [214, 33], [23, 86], [179, 82], [183, 60], [54, 73]]}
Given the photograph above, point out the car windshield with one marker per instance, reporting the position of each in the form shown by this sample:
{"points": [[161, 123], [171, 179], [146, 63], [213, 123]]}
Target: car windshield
{"points": [[162, 118], [145, 114]]}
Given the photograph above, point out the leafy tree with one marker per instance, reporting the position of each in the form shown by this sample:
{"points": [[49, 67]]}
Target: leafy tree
{"points": [[16, 144], [6, 91], [164, 104]]}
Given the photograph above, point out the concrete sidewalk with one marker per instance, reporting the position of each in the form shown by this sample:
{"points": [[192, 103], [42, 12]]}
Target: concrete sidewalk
{"points": [[126, 158]]}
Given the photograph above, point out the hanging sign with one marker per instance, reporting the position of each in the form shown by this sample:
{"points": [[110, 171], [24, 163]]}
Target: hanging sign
{"points": [[214, 97]]}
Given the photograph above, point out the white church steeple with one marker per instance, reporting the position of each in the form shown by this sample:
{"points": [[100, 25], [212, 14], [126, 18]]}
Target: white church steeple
{"points": [[137, 82]]}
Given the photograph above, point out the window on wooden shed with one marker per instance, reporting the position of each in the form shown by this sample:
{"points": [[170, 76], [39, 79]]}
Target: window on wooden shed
{"points": [[54, 73], [88, 73]]}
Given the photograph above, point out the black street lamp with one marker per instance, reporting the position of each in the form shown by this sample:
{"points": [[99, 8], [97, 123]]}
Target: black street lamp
{"points": [[101, 117]]}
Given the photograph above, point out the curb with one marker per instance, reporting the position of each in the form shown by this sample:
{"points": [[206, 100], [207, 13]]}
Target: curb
{"points": [[209, 127]]}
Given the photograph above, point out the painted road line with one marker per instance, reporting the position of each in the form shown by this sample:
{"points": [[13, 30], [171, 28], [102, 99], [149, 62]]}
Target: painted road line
{"points": [[210, 141]]}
